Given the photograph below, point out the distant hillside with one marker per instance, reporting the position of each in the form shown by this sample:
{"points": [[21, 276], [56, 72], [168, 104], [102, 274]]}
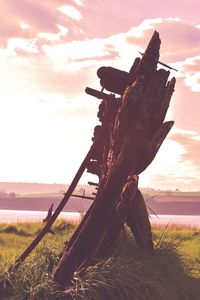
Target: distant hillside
{"points": [[43, 204], [37, 196], [159, 205], [44, 188], [32, 188], [23, 188]]}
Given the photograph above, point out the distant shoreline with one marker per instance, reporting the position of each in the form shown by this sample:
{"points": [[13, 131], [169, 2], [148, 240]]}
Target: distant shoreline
{"points": [[43, 204], [22, 216], [163, 205]]}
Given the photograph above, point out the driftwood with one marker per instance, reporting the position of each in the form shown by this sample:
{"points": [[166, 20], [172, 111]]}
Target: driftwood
{"points": [[132, 132]]}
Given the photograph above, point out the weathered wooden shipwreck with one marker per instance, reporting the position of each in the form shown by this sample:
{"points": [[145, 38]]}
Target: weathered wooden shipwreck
{"points": [[131, 132]]}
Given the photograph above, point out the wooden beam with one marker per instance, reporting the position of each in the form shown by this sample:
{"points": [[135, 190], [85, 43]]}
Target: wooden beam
{"points": [[83, 197]]}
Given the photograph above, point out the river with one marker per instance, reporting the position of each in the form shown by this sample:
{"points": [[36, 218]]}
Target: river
{"points": [[13, 216]]}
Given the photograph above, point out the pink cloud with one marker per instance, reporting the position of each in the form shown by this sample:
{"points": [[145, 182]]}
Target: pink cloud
{"points": [[42, 16], [185, 107], [192, 66], [101, 35], [111, 55], [191, 73], [42, 77], [175, 35], [34, 13], [191, 147], [104, 18], [172, 181], [98, 19]]}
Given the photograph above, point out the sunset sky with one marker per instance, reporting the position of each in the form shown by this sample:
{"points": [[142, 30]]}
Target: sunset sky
{"points": [[50, 51]]}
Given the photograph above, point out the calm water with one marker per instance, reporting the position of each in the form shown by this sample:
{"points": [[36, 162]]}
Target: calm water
{"points": [[190, 221], [12, 216]]}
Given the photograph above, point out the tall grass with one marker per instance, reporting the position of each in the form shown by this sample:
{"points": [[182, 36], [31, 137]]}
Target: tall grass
{"points": [[168, 273]]}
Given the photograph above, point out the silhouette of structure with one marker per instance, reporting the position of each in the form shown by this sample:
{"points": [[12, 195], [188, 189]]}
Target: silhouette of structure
{"points": [[131, 132]]}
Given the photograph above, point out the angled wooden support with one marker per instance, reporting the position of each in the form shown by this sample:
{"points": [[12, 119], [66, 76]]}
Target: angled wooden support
{"points": [[83, 197], [60, 207], [93, 183]]}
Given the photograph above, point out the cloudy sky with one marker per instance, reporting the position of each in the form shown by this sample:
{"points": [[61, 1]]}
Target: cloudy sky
{"points": [[50, 51]]}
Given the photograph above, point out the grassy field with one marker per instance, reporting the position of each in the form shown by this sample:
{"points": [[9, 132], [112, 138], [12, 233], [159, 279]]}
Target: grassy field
{"points": [[172, 272]]}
